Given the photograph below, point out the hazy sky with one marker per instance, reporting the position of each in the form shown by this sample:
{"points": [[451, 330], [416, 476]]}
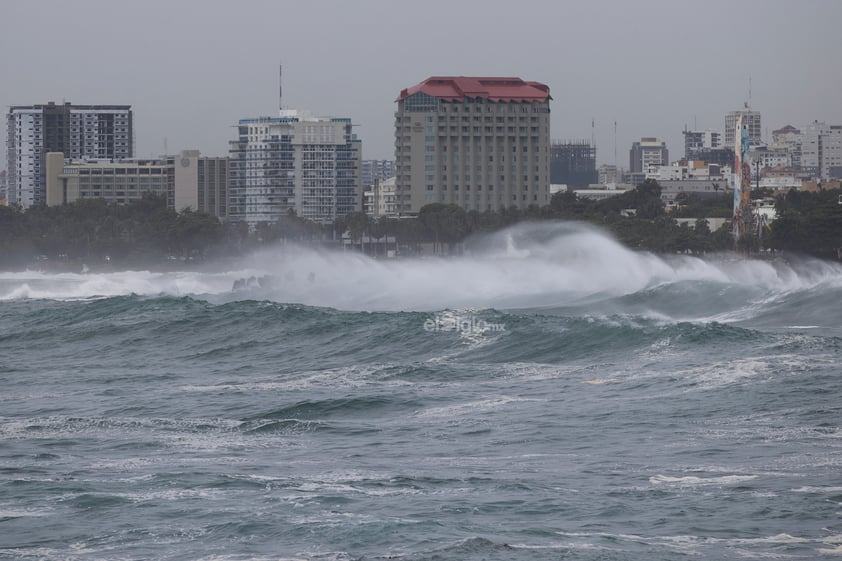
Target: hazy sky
{"points": [[192, 69]]}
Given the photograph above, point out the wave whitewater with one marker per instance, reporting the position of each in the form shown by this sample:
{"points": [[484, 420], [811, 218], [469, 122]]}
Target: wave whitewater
{"points": [[572, 267]]}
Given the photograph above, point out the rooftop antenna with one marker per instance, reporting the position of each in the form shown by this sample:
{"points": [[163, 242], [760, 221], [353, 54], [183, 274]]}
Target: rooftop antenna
{"points": [[593, 137], [280, 87], [615, 143]]}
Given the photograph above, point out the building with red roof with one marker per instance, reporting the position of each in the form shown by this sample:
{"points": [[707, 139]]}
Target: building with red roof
{"points": [[478, 142]]}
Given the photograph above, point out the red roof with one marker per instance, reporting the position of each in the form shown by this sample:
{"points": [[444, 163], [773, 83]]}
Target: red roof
{"points": [[457, 88]]}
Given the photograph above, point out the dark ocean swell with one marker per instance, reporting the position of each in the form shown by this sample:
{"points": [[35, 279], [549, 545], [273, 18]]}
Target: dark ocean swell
{"points": [[532, 400]]}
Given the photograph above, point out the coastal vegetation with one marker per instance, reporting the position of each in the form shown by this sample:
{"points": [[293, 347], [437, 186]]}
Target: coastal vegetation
{"points": [[146, 232]]}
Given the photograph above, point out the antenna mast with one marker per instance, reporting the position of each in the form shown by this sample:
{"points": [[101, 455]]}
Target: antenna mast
{"points": [[280, 87]]}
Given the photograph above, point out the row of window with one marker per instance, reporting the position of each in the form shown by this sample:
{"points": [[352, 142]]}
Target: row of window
{"points": [[430, 198], [431, 187]]}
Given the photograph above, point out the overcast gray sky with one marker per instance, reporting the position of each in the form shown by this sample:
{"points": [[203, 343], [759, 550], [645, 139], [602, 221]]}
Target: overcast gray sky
{"points": [[192, 69]]}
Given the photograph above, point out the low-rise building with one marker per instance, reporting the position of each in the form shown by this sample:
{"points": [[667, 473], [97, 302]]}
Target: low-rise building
{"points": [[711, 187], [117, 182], [780, 182], [188, 180], [686, 170], [609, 174], [714, 223], [599, 192]]}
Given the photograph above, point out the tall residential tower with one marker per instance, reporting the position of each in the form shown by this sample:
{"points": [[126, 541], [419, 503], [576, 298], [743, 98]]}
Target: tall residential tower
{"points": [[294, 162], [78, 131], [480, 143]]}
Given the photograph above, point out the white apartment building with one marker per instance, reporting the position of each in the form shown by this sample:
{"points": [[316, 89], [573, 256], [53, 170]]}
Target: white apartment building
{"points": [[380, 200], [78, 131], [821, 150], [478, 142], [294, 162], [769, 157], [647, 152]]}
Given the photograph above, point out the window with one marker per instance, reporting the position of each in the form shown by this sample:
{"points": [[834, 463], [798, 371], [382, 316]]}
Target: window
{"points": [[420, 102]]}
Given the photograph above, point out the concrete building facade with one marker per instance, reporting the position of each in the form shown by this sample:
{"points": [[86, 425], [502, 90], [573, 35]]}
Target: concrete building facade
{"points": [[481, 143], [79, 131], [380, 201], [695, 142], [198, 183], [751, 118], [647, 152], [607, 174], [294, 162], [118, 182], [821, 150], [188, 180], [376, 169]]}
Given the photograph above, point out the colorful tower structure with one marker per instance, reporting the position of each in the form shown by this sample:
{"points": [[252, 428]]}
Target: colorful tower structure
{"points": [[743, 220]]}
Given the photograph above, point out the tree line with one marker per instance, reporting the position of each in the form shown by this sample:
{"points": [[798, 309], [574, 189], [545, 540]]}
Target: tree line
{"points": [[146, 231], [93, 230]]}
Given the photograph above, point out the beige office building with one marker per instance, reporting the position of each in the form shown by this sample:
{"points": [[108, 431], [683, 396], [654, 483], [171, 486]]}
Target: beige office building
{"points": [[478, 142], [188, 180]]}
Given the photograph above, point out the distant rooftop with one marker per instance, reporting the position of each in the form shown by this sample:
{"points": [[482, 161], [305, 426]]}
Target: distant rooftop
{"points": [[68, 105], [458, 88]]}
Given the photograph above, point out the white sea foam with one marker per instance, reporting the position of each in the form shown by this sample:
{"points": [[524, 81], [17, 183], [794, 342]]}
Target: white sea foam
{"points": [[339, 377], [471, 407], [523, 266], [11, 512], [817, 489], [692, 480]]}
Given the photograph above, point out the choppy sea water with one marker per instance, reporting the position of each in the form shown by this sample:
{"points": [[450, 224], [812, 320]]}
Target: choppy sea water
{"points": [[551, 395]]}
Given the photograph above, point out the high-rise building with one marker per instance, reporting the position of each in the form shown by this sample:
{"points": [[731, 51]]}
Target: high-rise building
{"points": [[821, 150], [376, 169], [648, 151], [750, 118], [573, 164], [78, 131], [697, 141], [3, 187], [294, 162], [478, 142]]}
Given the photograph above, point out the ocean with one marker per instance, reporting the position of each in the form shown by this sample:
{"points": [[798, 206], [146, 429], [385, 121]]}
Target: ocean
{"points": [[549, 394]]}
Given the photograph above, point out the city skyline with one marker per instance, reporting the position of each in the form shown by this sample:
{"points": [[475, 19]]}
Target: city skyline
{"points": [[653, 67]]}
